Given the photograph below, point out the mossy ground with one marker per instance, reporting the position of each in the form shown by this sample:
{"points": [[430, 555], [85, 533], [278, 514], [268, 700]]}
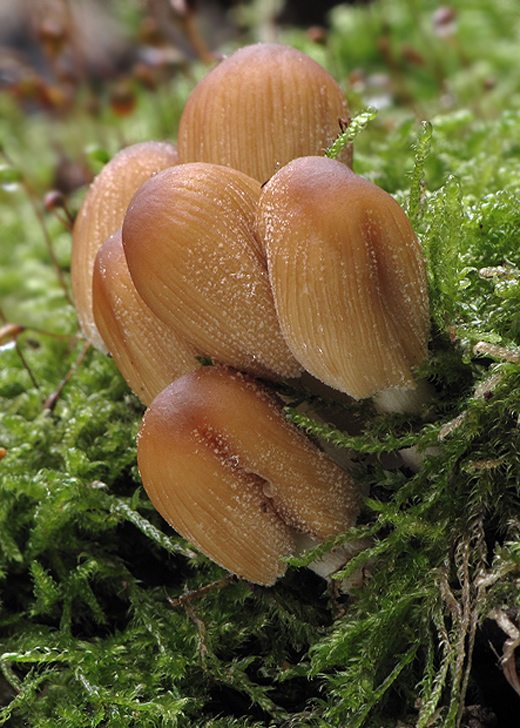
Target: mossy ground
{"points": [[92, 632]]}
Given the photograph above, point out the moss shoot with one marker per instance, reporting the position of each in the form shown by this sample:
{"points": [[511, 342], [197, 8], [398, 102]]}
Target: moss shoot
{"points": [[107, 617]]}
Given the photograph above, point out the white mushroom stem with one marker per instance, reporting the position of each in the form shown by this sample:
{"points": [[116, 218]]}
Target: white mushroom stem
{"points": [[334, 560], [408, 400]]}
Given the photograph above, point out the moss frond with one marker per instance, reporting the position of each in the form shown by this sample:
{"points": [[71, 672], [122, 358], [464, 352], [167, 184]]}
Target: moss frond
{"points": [[107, 616]]}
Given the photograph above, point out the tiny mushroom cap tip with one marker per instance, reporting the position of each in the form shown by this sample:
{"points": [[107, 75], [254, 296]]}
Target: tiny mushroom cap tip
{"points": [[293, 103], [149, 353], [225, 468], [348, 276], [194, 257], [102, 213]]}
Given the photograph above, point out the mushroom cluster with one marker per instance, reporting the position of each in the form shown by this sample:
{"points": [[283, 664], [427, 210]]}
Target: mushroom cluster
{"points": [[247, 247]]}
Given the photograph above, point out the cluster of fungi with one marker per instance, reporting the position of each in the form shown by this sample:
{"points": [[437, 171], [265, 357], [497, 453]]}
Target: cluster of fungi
{"points": [[246, 246]]}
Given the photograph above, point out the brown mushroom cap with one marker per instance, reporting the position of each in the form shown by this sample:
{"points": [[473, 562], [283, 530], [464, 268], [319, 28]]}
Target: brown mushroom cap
{"points": [[348, 276], [261, 107], [225, 468], [148, 353], [189, 241], [102, 213]]}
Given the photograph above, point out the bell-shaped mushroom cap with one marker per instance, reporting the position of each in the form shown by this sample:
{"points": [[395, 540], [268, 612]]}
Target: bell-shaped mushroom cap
{"points": [[189, 241], [102, 213], [226, 469], [148, 353], [261, 107], [348, 276]]}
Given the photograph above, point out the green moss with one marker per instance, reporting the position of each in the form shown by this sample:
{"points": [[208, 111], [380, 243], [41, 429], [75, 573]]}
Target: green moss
{"points": [[106, 616]]}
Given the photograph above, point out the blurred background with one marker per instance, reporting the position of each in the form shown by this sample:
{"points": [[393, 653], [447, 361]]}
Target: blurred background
{"points": [[113, 73], [84, 58]]}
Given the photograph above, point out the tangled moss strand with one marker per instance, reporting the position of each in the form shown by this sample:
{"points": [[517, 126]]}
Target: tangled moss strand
{"points": [[108, 617]]}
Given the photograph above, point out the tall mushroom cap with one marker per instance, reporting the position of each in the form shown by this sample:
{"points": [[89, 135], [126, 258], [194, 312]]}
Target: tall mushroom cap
{"points": [[261, 107], [102, 213], [189, 241], [148, 353], [348, 276], [226, 469]]}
